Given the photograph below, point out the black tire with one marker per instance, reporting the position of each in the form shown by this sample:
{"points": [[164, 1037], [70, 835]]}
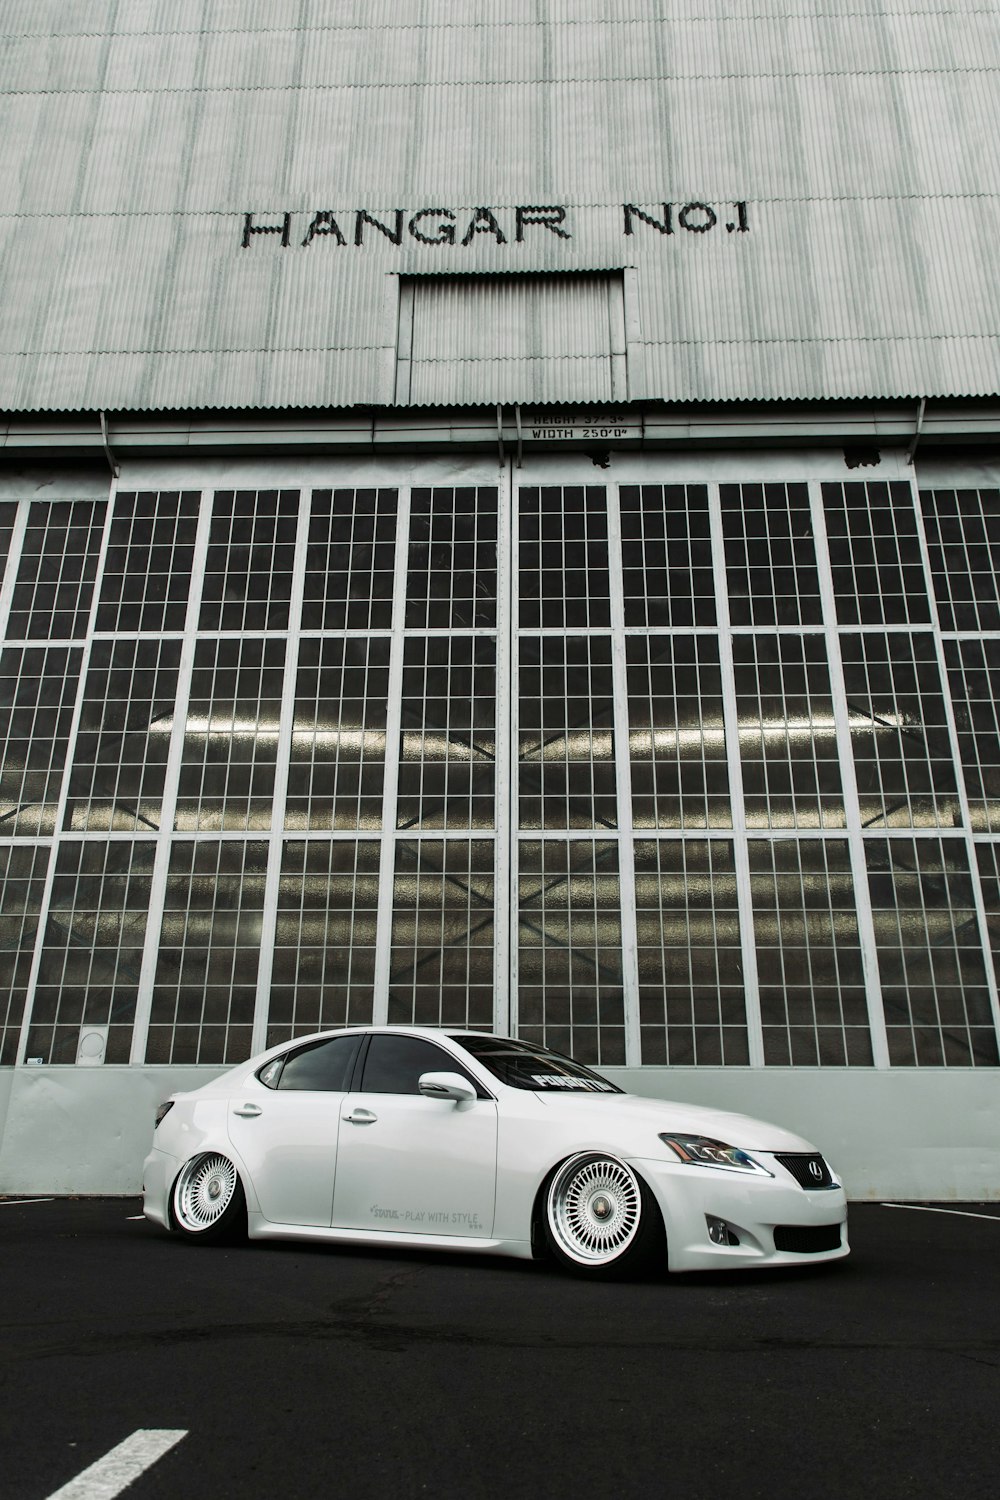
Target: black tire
{"points": [[207, 1202], [600, 1219]]}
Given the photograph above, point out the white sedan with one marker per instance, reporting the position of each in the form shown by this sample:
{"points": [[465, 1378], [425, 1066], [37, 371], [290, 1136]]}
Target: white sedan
{"points": [[465, 1141]]}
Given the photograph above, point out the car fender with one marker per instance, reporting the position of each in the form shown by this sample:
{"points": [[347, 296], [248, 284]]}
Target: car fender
{"points": [[203, 1127]]}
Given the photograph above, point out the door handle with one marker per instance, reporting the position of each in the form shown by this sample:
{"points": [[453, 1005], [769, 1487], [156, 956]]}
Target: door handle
{"points": [[248, 1111], [361, 1117]]}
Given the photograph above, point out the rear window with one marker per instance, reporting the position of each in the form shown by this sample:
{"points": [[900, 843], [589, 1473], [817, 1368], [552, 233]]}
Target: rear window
{"points": [[523, 1066]]}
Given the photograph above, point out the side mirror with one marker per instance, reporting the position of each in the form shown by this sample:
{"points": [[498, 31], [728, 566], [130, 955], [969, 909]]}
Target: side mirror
{"points": [[446, 1086]]}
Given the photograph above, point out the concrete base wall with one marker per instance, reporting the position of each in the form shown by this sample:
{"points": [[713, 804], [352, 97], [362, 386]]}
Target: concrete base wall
{"points": [[908, 1135]]}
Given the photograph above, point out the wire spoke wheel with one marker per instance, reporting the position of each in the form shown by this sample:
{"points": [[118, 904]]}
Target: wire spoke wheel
{"points": [[594, 1210], [205, 1190]]}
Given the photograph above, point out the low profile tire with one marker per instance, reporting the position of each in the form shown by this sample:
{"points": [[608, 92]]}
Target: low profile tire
{"points": [[600, 1218], [207, 1203]]}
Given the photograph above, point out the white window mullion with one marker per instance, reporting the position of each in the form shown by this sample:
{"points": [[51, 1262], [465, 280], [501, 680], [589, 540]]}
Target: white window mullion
{"points": [[394, 708], [741, 853], [503, 926], [60, 815], [623, 785], [849, 786], [286, 724], [171, 782]]}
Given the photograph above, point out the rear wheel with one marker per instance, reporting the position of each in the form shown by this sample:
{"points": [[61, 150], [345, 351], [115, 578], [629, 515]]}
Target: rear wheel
{"points": [[600, 1218], [208, 1203]]}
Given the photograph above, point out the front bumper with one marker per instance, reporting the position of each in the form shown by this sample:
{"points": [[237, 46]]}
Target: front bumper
{"points": [[751, 1206], [158, 1173]]}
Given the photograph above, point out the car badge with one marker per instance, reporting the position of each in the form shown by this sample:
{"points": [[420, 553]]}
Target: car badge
{"points": [[816, 1170]]}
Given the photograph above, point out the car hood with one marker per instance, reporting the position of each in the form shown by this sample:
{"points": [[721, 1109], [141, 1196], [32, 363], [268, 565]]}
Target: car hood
{"points": [[633, 1113]]}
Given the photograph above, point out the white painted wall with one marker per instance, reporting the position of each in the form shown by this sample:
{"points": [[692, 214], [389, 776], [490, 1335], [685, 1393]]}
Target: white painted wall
{"points": [[898, 1135]]}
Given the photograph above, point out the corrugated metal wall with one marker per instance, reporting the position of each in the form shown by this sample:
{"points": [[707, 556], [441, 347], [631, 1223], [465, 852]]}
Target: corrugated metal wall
{"points": [[137, 135]]}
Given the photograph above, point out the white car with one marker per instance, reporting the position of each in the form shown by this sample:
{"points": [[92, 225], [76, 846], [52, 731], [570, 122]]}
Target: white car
{"points": [[465, 1141]]}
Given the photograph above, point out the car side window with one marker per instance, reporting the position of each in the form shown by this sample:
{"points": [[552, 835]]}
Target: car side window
{"points": [[322, 1067], [394, 1065]]}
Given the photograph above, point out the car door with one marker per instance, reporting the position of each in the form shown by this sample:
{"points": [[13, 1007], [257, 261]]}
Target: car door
{"points": [[409, 1163], [286, 1131]]}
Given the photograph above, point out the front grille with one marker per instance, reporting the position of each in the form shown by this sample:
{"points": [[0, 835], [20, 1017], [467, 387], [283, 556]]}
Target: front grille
{"points": [[807, 1239], [809, 1171]]}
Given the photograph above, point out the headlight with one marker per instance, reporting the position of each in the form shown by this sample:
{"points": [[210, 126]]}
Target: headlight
{"points": [[701, 1151]]}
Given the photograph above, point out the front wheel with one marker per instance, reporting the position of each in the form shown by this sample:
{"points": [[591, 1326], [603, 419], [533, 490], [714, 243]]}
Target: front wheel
{"points": [[600, 1218], [208, 1202]]}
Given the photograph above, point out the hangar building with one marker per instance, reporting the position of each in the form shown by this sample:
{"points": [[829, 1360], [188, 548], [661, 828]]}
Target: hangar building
{"points": [[501, 519]]}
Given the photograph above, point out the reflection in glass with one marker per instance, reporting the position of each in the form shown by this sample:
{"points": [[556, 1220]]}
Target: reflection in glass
{"points": [[452, 577], [963, 539], [206, 973], [37, 692], [337, 769], [878, 572], [809, 967], [127, 715], [231, 735], [788, 740], [770, 556], [442, 961], [566, 733], [677, 746], [147, 571], [563, 556], [92, 952], [570, 986], [447, 759], [930, 956], [899, 731], [667, 555], [55, 577], [324, 943], [251, 553], [349, 563], [974, 679], [22, 878], [691, 1003]]}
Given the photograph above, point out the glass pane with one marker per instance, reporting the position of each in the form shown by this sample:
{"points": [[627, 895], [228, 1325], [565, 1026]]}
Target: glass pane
{"points": [[231, 735], [692, 1009], [963, 539], [119, 768], [788, 741], [452, 579], [8, 515], [441, 967], [566, 760], [251, 552], [22, 879], [92, 953], [677, 745], [667, 555], [563, 557], [147, 573], [770, 557], [930, 956], [349, 564], [55, 578], [809, 968], [37, 693], [878, 572], [447, 753], [206, 973], [899, 731], [570, 990], [337, 769], [324, 942], [974, 679]]}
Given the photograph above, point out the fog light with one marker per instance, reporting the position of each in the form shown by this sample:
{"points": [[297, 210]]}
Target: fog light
{"points": [[719, 1232]]}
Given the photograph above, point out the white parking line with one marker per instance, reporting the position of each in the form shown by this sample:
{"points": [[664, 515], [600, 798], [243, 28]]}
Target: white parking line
{"points": [[959, 1213], [13, 1202], [117, 1469]]}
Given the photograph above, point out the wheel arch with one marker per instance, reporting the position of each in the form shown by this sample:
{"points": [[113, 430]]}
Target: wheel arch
{"points": [[536, 1228]]}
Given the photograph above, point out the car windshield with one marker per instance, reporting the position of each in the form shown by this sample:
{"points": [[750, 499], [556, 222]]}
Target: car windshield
{"points": [[525, 1067]]}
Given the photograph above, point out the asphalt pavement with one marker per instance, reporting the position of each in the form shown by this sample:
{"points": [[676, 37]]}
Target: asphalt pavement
{"points": [[312, 1371]]}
